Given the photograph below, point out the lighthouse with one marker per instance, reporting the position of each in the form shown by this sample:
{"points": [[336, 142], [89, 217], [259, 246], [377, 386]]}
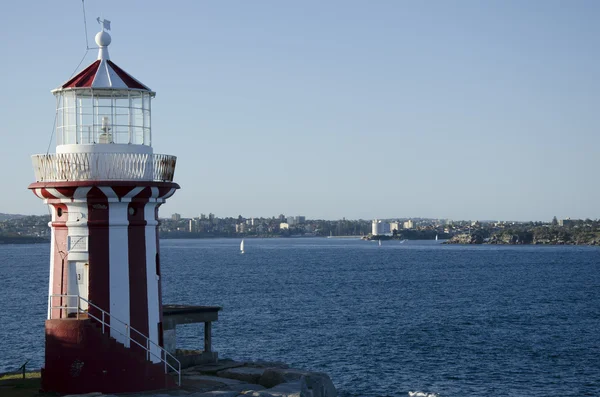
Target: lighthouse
{"points": [[104, 186]]}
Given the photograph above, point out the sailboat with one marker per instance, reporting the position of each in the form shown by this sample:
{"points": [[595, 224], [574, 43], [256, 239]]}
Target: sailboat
{"points": [[242, 247], [380, 242], [436, 237]]}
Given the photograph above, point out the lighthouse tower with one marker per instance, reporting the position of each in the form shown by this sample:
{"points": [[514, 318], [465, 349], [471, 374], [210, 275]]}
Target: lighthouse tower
{"points": [[104, 186]]}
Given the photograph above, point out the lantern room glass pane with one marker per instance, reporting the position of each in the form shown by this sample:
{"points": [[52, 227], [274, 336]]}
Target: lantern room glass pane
{"points": [[89, 116], [138, 134], [69, 120], [122, 105], [146, 97], [136, 100], [146, 118]]}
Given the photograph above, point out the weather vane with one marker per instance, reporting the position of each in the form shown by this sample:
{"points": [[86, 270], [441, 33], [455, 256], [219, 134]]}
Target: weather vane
{"points": [[104, 22]]}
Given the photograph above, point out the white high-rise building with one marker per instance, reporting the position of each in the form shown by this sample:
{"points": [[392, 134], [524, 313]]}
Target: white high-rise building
{"points": [[379, 227]]}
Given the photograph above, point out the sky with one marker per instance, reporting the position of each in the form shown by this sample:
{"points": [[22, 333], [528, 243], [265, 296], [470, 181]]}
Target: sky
{"points": [[359, 109]]}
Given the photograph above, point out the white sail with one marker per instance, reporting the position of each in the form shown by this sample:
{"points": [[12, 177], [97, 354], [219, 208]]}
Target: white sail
{"points": [[436, 237], [242, 246], [380, 243]]}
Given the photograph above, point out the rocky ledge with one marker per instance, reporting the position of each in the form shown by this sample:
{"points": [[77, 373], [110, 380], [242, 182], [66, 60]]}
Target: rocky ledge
{"points": [[524, 238], [230, 378]]}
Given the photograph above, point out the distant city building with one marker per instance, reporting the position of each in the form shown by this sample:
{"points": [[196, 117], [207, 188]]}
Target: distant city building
{"points": [[240, 227], [409, 224], [284, 226], [296, 220], [379, 228], [567, 222], [176, 217], [395, 226]]}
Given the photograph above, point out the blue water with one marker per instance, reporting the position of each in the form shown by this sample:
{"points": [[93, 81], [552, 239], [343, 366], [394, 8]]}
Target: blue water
{"points": [[454, 320]]}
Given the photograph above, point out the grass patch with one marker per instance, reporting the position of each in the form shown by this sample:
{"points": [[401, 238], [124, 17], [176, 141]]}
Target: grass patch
{"points": [[28, 375]]}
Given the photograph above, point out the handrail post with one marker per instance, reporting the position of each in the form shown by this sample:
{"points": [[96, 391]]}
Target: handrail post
{"points": [[103, 322]]}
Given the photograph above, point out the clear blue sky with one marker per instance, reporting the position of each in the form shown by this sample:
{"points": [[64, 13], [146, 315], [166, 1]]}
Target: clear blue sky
{"points": [[330, 109]]}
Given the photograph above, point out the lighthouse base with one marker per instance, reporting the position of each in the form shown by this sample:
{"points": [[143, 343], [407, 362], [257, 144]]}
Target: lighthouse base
{"points": [[81, 359]]}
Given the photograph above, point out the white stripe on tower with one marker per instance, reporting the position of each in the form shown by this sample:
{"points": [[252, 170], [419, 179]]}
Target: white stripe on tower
{"points": [[52, 254], [169, 194], [81, 193], [152, 279], [56, 193], [134, 192], [118, 257]]}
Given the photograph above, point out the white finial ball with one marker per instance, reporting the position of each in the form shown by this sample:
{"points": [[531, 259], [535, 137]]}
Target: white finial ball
{"points": [[103, 39]]}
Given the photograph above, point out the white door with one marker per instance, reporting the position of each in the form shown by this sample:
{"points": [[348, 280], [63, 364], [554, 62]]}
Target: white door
{"points": [[78, 285]]}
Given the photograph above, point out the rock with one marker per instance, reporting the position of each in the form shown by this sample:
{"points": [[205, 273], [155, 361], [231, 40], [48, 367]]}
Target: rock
{"points": [[318, 383], [261, 393], [297, 388], [466, 238], [244, 374], [214, 380], [216, 393], [292, 389], [245, 387], [93, 394]]}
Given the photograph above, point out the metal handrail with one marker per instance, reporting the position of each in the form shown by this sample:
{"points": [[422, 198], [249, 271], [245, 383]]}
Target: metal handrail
{"points": [[162, 357]]}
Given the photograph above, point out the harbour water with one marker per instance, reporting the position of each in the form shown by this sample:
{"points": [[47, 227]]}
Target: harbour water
{"points": [[381, 321]]}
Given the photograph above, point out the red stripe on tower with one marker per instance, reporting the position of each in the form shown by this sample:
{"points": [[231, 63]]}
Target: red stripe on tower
{"points": [[138, 287], [98, 248]]}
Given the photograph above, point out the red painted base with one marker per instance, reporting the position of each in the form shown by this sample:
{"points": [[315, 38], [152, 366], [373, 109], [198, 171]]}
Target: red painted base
{"points": [[80, 359]]}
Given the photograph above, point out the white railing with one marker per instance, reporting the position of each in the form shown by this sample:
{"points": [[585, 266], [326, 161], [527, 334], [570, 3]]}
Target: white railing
{"points": [[63, 167], [150, 345]]}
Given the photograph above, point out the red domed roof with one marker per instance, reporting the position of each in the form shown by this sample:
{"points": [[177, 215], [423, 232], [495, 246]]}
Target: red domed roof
{"points": [[104, 74]]}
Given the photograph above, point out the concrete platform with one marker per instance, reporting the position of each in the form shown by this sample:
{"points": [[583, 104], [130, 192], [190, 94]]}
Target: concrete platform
{"points": [[174, 315]]}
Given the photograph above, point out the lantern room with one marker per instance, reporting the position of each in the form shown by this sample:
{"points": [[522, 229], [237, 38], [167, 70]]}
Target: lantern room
{"points": [[103, 127], [103, 104]]}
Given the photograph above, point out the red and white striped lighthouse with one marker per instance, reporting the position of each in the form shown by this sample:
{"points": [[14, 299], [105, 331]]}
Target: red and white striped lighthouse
{"points": [[104, 186]]}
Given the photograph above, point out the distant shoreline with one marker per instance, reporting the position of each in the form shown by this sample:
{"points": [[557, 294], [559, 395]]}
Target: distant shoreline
{"points": [[461, 239], [23, 240]]}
